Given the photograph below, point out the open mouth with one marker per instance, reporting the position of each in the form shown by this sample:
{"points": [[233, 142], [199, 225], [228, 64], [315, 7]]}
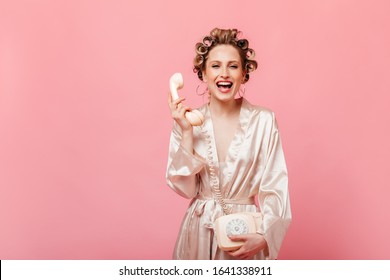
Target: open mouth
{"points": [[224, 85]]}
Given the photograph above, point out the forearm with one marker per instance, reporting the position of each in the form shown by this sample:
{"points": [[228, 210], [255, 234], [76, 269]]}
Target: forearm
{"points": [[183, 164], [187, 140]]}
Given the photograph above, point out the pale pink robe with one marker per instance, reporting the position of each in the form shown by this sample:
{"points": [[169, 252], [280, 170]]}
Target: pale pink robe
{"points": [[254, 169]]}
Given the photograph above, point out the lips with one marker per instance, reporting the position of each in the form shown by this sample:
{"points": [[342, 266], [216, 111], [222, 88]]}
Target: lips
{"points": [[224, 84]]}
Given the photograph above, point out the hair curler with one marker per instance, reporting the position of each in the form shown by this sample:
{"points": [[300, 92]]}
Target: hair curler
{"points": [[175, 83]]}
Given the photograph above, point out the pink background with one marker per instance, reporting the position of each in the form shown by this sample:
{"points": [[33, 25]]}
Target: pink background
{"points": [[84, 123]]}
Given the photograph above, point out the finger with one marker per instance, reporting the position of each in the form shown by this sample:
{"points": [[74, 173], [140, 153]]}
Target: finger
{"points": [[238, 252], [241, 237], [176, 104], [182, 109], [179, 100], [171, 100], [232, 252], [234, 255], [241, 256], [180, 114]]}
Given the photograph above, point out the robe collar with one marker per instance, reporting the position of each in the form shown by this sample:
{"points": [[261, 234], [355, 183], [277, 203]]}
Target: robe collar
{"points": [[236, 143]]}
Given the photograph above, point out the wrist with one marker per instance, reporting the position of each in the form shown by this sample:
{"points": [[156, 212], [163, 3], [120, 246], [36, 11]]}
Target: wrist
{"points": [[187, 140], [187, 133]]}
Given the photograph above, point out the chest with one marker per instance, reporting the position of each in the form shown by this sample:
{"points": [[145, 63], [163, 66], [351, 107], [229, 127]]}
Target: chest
{"points": [[224, 132]]}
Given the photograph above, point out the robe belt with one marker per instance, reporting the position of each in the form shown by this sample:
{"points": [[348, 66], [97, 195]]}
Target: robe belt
{"points": [[204, 200], [245, 201]]}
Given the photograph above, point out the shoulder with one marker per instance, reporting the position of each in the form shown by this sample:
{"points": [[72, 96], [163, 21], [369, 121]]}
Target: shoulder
{"points": [[258, 112], [202, 109]]}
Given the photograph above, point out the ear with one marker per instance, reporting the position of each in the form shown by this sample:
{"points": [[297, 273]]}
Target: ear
{"points": [[204, 77], [243, 77]]}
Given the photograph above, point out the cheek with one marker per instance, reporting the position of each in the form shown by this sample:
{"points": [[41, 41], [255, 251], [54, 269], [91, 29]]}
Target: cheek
{"points": [[240, 77], [210, 76], [210, 83]]}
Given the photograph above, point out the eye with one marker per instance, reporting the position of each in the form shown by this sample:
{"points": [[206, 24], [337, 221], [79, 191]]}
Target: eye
{"points": [[234, 66], [215, 66]]}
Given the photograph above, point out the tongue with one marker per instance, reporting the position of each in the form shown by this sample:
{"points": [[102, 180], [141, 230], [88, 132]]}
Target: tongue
{"points": [[224, 89]]}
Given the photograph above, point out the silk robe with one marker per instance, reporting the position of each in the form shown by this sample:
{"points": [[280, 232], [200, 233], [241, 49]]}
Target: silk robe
{"points": [[254, 168]]}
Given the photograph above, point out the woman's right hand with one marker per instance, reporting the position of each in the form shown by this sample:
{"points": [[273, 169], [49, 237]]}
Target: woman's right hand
{"points": [[178, 111]]}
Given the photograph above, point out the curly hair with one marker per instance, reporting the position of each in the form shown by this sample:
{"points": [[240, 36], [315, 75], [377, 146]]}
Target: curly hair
{"points": [[224, 37]]}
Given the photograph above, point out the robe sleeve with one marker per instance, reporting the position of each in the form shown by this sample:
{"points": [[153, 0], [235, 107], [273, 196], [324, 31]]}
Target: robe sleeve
{"points": [[274, 199], [183, 166]]}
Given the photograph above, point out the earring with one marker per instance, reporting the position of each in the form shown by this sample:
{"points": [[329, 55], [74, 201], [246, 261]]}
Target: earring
{"points": [[204, 91]]}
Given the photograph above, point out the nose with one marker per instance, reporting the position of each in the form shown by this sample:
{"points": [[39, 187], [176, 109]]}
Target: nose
{"points": [[224, 72]]}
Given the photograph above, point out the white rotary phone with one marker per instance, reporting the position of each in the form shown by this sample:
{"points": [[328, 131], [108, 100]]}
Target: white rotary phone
{"points": [[236, 224], [175, 83]]}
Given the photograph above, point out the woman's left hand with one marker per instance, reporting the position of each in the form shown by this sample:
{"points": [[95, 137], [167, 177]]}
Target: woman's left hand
{"points": [[253, 244]]}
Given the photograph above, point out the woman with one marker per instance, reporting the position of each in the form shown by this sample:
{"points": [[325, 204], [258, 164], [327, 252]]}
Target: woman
{"points": [[242, 142]]}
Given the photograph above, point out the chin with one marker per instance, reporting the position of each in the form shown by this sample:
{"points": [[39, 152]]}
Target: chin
{"points": [[225, 96]]}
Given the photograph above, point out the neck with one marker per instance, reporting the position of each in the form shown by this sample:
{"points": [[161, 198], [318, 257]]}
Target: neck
{"points": [[228, 108]]}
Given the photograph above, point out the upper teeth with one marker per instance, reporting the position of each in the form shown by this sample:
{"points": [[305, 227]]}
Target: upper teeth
{"points": [[224, 83]]}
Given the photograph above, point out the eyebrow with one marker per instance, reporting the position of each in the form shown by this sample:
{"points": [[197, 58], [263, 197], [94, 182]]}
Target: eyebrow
{"points": [[231, 61]]}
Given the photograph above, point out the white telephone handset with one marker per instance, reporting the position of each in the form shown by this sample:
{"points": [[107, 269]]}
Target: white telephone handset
{"points": [[175, 83]]}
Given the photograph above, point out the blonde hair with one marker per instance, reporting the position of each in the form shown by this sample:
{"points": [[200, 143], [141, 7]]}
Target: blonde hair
{"points": [[224, 37]]}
